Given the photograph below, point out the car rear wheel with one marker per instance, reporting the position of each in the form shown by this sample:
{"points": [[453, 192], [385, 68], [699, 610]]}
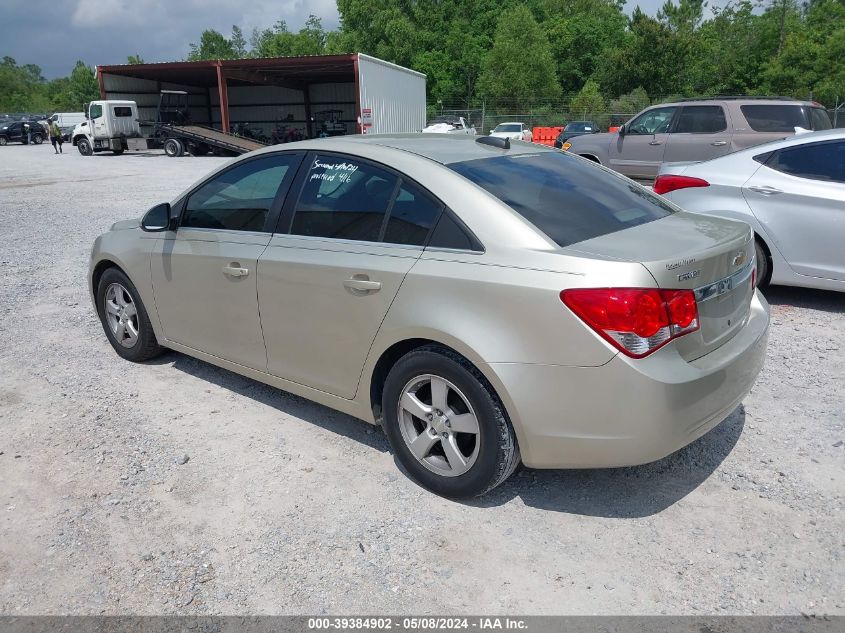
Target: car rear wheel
{"points": [[84, 147], [124, 318], [764, 266], [3, 140], [37, 139], [445, 424], [173, 148]]}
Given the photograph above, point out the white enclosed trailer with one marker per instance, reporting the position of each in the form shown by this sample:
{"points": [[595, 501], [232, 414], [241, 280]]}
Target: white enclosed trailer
{"points": [[281, 98]]}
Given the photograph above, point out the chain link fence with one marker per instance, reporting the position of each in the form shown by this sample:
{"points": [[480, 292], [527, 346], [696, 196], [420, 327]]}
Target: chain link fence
{"points": [[561, 112]]}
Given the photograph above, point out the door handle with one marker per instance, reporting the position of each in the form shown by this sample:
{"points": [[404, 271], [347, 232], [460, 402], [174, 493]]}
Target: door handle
{"points": [[718, 143], [766, 190], [655, 143], [234, 270], [362, 284]]}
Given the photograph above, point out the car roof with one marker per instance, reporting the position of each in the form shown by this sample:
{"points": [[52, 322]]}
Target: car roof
{"points": [[441, 148]]}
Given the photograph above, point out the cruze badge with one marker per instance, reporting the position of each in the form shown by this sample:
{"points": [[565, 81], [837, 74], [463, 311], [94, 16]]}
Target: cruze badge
{"points": [[690, 275], [739, 259]]}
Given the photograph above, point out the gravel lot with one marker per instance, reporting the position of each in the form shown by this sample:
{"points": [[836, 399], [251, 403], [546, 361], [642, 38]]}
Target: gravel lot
{"points": [[284, 506]]}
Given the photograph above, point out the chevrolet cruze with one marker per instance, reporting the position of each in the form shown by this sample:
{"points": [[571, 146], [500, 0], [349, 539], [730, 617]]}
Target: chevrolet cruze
{"points": [[487, 302]]}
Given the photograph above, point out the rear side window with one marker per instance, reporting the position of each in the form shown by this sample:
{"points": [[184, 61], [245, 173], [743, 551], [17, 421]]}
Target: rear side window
{"points": [[820, 119], [564, 196], [122, 111], [412, 215], [775, 118], [240, 198], [344, 199], [707, 119], [817, 161]]}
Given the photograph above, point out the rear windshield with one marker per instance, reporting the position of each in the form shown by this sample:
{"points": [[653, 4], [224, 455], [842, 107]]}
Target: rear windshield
{"points": [[564, 196], [507, 127], [785, 118], [579, 127]]}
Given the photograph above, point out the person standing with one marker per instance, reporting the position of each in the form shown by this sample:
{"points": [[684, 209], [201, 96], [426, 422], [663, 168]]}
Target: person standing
{"points": [[28, 132], [55, 136]]}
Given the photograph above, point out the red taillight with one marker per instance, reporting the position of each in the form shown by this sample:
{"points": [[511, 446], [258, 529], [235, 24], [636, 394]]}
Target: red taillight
{"points": [[667, 183], [636, 321]]}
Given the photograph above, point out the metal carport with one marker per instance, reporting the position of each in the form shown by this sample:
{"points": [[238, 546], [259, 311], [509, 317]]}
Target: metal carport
{"points": [[266, 91]]}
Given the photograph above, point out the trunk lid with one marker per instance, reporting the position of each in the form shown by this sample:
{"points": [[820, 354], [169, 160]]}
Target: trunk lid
{"points": [[712, 256]]}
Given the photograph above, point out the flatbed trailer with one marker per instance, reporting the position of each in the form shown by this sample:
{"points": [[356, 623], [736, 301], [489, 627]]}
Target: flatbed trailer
{"points": [[197, 140]]}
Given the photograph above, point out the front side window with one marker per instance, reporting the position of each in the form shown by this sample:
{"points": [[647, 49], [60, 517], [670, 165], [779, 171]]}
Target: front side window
{"points": [[564, 196], [816, 161], [708, 119], [343, 198], [240, 198], [654, 121], [95, 111]]}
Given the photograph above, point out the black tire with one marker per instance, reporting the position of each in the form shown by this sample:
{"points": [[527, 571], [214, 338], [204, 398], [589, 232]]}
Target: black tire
{"points": [[117, 152], [498, 453], [84, 147], [3, 140], [37, 139], [173, 147], [764, 265], [146, 346]]}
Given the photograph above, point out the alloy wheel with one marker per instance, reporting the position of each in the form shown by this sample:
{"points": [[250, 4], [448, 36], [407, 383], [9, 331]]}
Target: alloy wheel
{"points": [[121, 315], [439, 425]]}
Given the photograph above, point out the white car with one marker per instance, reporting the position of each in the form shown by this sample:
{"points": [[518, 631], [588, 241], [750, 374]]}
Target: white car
{"points": [[449, 125], [792, 192], [513, 130]]}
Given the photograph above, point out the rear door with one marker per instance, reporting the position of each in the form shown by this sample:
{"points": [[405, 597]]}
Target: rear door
{"points": [[700, 132], [639, 152], [205, 273], [345, 243], [799, 196]]}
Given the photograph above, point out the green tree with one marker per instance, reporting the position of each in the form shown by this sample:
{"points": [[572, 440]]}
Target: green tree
{"points": [[280, 42], [212, 45], [519, 70], [134, 59], [80, 88]]}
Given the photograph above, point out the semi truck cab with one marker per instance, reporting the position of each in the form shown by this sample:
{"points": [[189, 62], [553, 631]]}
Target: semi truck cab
{"points": [[106, 127]]}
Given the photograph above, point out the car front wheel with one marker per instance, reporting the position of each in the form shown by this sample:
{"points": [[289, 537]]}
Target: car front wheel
{"points": [[124, 318], [445, 424]]}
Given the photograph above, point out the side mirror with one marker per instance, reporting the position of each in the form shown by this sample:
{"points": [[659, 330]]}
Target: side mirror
{"points": [[157, 219], [621, 130]]}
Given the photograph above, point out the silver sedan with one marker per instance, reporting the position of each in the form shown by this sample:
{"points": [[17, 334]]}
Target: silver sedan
{"points": [[486, 301], [791, 191]]}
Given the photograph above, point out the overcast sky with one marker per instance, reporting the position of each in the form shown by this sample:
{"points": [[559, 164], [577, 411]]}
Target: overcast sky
{"points": [[55, 33]]}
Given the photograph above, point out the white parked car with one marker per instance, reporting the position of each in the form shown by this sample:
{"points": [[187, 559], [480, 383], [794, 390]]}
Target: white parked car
{"points": [[792, 192], [449, 125], [513, 130]]}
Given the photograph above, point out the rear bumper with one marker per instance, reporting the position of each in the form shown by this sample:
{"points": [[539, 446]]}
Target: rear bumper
{"points": [[628, 411]]}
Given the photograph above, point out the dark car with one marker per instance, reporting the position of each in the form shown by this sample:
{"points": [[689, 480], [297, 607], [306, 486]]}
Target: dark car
{"points": [[575, 128], [15, 132]]}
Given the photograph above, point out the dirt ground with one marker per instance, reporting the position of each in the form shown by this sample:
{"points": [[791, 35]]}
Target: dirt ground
{"points": [[286, 507]]}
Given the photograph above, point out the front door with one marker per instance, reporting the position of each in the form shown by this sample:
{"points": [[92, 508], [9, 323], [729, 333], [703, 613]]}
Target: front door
{"points": [[639, 152], [799, 196], [204, 273], [325, 287]]}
